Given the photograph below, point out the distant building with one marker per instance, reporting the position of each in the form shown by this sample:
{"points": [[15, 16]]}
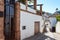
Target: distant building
{"points": [[52, 19], [57, 13]]}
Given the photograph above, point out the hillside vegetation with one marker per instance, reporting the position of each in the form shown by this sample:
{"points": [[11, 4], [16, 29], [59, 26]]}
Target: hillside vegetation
{"points": [[58, 17]]}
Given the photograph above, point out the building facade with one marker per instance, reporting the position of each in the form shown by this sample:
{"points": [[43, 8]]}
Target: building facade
{"points": [[18, 21]]}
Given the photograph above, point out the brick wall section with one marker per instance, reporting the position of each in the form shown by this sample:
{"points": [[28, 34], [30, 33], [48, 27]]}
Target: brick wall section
{"points": [[2, 20], [17, 21], [1, 5]]}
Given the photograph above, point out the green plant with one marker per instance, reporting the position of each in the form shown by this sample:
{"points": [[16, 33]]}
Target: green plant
{"points": [[58, 17], [23, 1]]}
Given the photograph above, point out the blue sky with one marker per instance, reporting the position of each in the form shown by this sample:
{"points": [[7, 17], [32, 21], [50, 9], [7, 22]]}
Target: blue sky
{"points": [[49, 5]]}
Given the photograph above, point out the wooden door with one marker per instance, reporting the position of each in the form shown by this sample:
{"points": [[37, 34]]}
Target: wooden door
{"points": [[37, 27]]}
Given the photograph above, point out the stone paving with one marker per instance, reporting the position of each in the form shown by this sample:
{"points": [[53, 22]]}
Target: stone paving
{"points": [[45, 36]]}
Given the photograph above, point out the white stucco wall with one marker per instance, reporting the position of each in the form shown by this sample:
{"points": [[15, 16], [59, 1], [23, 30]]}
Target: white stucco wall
{"points": [[53, 21], [31, 10], [22, 6], [28, 20], [58, 27]]}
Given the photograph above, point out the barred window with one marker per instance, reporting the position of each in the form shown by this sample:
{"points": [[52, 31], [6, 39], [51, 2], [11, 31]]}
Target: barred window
{"points": [[12, 1]]}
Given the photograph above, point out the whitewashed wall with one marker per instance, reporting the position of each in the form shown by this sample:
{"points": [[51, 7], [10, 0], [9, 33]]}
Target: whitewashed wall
{"points": [[28, 8], [53, 21], [31, 10], [28, 20], [22, 6], [58, 27]]}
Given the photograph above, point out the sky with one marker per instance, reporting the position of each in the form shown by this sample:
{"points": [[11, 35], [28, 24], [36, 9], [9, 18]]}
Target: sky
{"points": [[49, 5]]}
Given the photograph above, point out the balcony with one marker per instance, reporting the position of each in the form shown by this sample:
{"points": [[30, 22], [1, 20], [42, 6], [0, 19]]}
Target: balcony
{"points": [[23, 7]]}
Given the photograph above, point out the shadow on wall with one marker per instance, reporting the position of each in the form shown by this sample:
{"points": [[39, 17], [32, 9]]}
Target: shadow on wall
{"points": [[40, 37]]}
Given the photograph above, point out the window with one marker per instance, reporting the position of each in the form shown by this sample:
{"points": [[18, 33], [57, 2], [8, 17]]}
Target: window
{"points": [[7, 10], [11, 10], [12, 1], [23, 27], [8, 15]]}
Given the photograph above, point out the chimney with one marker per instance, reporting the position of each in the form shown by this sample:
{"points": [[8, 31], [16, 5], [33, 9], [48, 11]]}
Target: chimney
{"points": [[35, 2], [41, 9]]}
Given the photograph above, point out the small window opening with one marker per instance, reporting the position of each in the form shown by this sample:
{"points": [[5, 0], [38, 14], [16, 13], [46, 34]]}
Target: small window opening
{"points": [[24, 27]]}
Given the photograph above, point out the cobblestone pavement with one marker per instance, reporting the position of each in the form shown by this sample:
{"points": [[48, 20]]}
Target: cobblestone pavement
{"points": [[45, 36]]}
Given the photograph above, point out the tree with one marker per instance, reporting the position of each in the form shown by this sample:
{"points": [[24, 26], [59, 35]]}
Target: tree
{"points": [[58, 17], [56, 9], [23, 1]]}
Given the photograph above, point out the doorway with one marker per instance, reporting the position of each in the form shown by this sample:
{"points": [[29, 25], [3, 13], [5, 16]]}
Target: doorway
{"points": [[37, 27], [8, 18]]}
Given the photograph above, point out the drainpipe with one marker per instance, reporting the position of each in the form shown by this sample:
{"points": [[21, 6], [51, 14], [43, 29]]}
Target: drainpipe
{"points": [[35, 2], [41, 9], [17, 21]]}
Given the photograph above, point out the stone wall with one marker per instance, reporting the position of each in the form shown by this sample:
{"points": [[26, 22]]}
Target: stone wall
{"points": [[1, 20]]}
